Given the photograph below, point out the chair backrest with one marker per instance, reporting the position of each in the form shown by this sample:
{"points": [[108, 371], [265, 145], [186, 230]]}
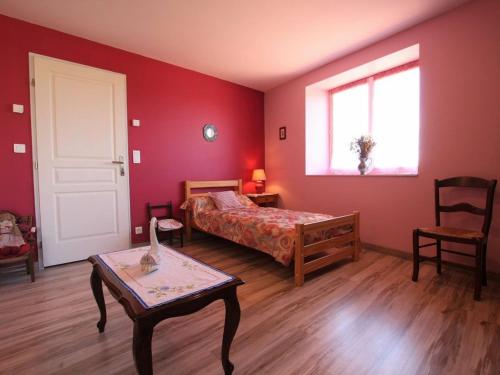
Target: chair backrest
{"points": [[166, 207], [467, 182]]}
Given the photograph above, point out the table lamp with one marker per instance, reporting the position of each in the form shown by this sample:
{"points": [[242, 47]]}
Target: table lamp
{"points": [[259, 176]]}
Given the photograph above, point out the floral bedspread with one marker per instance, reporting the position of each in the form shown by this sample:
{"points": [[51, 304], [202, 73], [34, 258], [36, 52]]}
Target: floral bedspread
{"points": [[271, 230]]}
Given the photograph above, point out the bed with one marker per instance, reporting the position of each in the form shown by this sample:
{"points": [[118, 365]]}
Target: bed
{"points": [[312, 241]]}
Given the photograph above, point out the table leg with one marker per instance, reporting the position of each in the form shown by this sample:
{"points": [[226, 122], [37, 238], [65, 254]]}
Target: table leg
{"points": [[96, 284], [143, 358], [230, 326]]}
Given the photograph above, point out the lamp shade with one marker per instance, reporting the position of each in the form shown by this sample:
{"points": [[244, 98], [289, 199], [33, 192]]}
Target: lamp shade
{"points": [[258, 175]]}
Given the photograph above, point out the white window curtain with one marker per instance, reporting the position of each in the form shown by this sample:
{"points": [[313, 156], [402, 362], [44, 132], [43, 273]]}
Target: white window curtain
{"points": [[386, 106]]}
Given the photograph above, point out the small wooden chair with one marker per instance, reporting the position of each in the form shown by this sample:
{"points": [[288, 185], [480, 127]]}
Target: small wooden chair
{"points": [[23, 254], [167, 223], [439, 233]]}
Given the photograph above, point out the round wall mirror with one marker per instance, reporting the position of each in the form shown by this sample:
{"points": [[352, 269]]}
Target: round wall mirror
{"points": [[210, 132]]}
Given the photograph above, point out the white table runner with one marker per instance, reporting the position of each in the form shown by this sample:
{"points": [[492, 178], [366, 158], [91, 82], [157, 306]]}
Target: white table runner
{"points": [[178, 275]]}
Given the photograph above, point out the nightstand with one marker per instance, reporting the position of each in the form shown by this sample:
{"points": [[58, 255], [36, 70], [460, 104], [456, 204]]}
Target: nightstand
{"points": [[265, 199]]}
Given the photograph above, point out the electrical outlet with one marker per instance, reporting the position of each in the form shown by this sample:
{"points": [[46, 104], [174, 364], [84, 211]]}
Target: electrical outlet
{"points": [[138, 230]]}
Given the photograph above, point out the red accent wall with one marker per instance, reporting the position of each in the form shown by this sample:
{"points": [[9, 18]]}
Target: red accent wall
{"points": [[172, 103]]}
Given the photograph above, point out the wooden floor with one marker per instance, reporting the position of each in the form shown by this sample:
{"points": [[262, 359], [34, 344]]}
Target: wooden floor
{"points": [[357, 318]]}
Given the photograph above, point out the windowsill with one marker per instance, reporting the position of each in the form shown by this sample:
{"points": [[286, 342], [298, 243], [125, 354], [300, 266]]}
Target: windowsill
{"points": [[373, 173], [366, 175]]}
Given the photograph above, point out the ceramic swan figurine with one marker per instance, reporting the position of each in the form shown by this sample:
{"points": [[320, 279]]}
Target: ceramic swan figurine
{"points": [[155, 245], [151, 260]]}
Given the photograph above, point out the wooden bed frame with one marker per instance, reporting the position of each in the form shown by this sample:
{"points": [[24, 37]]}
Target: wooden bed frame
{"points": [[308, 258]]}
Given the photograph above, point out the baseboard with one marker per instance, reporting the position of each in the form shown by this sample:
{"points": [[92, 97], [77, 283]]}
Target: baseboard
{"points": [[406, 255], [386, 250]]}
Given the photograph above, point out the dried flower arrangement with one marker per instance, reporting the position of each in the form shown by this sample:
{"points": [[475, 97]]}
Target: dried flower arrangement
{"points": [[363, 145]]}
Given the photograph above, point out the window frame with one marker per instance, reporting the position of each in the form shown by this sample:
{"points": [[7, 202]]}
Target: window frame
{"points": [[370, 80]]}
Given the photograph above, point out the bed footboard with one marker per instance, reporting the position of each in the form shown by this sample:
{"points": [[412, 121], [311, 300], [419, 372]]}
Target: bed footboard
{"points": [[328, 251]]}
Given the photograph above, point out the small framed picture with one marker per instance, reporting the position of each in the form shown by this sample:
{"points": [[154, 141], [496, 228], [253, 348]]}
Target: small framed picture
{"points": [[282, 133]]}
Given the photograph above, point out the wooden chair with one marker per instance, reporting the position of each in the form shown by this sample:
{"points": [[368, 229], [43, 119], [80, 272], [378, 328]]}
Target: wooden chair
{"points": [[11, 256], [439, 233], [167, 222]]}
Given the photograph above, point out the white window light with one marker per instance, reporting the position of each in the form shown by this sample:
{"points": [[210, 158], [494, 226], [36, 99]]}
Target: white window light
{"points": [[386, 106]]}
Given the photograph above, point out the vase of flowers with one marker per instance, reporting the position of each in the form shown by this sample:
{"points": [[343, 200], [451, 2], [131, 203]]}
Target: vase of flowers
{"points": [[363, 146]]}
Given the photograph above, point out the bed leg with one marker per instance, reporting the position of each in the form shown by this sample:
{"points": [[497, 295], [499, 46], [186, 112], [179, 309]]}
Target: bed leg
{"points": [[357, 241], [355, 255], [299, 255], [299, 280], [299, 271]]}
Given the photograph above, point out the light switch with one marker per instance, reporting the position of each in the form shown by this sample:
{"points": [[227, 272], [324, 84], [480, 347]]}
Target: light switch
{"points": [[19, 148], [17, 108], [136, 122], [136, 156]]}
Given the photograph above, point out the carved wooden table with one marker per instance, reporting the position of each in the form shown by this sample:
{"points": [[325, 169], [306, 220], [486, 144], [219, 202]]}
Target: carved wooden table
{"points": [[145, 317]]}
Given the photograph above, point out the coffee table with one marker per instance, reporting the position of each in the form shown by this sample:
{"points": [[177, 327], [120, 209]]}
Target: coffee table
{"points": [[181, 286]]}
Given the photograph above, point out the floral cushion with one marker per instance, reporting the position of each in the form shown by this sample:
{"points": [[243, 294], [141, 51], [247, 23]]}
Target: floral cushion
{"points": [[206, 203], [14, 251], [226, 200], [169, 224]]}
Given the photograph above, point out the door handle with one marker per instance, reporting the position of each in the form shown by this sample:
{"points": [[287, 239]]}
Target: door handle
{"points": [[120, 162]]}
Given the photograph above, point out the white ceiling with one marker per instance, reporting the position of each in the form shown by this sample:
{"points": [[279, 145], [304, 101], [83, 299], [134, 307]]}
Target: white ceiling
{"points": [[256, 43]]}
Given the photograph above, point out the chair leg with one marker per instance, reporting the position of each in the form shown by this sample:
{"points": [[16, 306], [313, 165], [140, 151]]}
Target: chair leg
{"points": [[478, 272], [31, 267], [416, 255], [484, 271], [171, 237], [438, 256], [182, 237]]}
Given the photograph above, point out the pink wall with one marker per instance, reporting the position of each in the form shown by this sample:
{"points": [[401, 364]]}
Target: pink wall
{"points": [[459, 135], [172, 104]]}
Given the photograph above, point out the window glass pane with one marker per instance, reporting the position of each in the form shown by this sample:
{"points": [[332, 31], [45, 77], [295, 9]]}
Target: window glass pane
{"points": [[395, 120], [350, 120]]}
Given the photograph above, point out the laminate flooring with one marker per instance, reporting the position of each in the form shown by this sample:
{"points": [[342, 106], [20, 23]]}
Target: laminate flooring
{"points": [[366, 317]]}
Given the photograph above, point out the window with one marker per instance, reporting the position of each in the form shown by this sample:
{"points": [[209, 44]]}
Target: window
{"points": [[386, 106]]}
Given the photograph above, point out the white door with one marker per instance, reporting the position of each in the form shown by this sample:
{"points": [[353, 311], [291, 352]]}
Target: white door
{"points": [[81, 139]]}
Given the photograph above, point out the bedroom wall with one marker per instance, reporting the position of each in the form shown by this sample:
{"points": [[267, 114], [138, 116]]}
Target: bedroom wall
{"points": [[459, 133], [172, 104]]}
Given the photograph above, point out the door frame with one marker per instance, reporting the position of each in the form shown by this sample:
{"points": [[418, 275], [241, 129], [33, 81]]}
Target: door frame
{"points": [[34, 149]]}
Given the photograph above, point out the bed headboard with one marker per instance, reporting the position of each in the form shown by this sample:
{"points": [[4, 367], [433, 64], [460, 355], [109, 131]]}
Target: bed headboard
{"points": [[235, 185], [206, 186]]}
